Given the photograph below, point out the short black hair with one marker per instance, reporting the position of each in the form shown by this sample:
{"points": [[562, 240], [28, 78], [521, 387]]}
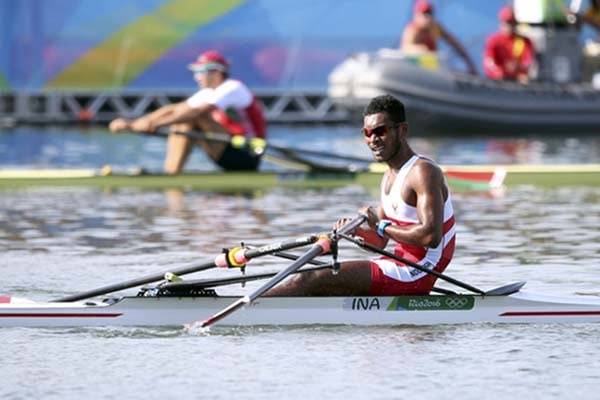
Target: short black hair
{"points": [[391, 106]]}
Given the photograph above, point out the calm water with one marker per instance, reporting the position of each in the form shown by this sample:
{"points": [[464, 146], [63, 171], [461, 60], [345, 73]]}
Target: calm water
{"points": [[60, 147], [56, 242]]}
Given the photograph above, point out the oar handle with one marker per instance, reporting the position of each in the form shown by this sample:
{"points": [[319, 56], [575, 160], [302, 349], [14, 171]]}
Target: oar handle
{"points": [[352, 225]]}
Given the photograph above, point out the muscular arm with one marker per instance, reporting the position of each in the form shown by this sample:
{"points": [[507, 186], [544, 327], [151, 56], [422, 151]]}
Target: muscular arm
{"points": [[426, 183], [166, 115], [182, 112]]}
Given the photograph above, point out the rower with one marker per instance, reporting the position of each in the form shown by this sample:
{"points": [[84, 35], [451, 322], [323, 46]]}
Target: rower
{"points": [[415, 212], [222, 105]]}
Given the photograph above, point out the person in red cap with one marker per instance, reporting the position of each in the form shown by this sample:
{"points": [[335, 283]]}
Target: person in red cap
{"points": [[422, 33], [222, 105], [508, 55]]}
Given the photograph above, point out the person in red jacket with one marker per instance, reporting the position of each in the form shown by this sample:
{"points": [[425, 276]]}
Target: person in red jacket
{"points": [[422, 33], [507, 54]]}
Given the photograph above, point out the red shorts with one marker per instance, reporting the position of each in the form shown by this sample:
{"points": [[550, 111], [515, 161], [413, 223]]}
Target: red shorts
{"points": [[384, 285]]}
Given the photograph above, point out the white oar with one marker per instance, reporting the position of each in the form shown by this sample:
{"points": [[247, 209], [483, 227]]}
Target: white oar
{"points": [[322, 245]]}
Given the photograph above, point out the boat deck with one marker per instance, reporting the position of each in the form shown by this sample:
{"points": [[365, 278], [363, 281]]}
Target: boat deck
{"points": [[520, 307]]}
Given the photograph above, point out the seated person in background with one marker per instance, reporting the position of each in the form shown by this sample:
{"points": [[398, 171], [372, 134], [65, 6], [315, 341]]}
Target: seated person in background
{"points": [[222, 105], [507, 54], [421, 35]]}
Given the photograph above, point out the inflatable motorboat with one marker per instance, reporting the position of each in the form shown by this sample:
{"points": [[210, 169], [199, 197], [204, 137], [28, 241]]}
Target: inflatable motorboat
{"points": [[440, 101]]}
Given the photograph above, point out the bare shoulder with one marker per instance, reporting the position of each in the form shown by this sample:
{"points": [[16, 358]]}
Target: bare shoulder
{"points": [[426, 172]]}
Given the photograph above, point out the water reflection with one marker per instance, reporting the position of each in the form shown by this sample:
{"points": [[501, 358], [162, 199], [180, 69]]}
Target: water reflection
{"points": [[527, 233]]}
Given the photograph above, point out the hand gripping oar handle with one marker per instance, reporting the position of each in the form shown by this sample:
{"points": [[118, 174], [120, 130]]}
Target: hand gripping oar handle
{"points": [[240, 256], [321, 246], [375, 249]]}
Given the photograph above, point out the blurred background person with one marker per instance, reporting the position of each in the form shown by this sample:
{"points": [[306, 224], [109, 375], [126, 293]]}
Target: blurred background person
{"points": [[222, 105], [507, 54], [421, 35]]}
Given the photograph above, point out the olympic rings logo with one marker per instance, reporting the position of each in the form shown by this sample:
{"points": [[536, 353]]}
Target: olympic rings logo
{"points": [[456, 302]]}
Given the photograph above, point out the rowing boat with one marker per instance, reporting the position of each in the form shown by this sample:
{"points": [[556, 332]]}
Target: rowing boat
{"points": [[517, 307], [471, 176], [174, 301]]}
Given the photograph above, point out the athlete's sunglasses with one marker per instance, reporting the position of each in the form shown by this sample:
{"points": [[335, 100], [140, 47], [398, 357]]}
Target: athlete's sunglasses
{"points": [[378, 131]]}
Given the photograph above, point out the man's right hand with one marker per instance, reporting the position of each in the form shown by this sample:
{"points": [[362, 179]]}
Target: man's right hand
{"points": [[340, 223], [119, 125]]}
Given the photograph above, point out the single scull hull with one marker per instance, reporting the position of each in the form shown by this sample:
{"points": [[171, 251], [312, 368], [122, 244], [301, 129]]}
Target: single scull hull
{"points": [[520, 307]]}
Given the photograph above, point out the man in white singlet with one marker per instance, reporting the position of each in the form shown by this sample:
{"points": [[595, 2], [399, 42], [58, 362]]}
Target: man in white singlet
{"points": [[415, 212], [222, 105]]}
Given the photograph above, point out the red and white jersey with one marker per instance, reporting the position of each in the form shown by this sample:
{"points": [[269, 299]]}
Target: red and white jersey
{"points": [[400, 213], [237, 109]]}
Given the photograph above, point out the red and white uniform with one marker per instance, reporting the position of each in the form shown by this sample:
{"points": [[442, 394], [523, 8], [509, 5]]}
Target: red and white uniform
{"points": [[390, 277], [502, 49], [237, 109]]}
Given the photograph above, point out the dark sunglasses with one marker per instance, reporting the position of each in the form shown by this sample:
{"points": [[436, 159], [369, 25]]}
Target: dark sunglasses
{"points": [[378, 131]]}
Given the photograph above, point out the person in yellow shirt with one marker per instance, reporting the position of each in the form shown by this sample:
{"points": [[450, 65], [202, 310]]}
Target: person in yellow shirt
{"points": [[508, 55]]}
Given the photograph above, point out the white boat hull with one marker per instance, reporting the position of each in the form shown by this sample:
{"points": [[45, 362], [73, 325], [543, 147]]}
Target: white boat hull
{"points": [[521, 307]]}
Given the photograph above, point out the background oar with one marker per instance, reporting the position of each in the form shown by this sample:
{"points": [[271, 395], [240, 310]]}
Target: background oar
{"points": [[239, 256], [257, 145], [321, 246], [383, 252]]}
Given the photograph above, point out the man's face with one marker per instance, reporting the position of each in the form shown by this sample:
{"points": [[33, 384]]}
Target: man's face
{"points": [[206, 79], [423, 20], [381, 135], [507, 27]]}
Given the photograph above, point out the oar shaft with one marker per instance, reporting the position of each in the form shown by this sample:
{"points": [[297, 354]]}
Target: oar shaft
{"points": [[286, 151], [243, 255], [323, 245], [318, 248], [433, 272], [315, 250], [136, 282]]}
